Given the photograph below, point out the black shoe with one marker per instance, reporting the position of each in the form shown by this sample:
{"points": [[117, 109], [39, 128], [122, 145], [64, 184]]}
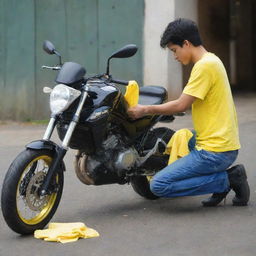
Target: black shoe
{"points": [[215, 199], [238, 182]]}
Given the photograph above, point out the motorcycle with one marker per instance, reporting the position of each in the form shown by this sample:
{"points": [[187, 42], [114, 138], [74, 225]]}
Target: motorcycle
{"points": [[90, 115]]}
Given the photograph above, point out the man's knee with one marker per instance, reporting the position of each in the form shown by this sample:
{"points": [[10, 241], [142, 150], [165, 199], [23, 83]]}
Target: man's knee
{"points": [[157, 188]]}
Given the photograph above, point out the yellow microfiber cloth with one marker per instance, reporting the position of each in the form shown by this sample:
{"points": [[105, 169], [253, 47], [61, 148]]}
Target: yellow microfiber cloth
{"points": [[65, 232], [177, 147], [132, 93]]}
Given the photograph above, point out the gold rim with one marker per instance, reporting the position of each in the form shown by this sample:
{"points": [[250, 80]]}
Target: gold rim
{"points": [[36, 215]]}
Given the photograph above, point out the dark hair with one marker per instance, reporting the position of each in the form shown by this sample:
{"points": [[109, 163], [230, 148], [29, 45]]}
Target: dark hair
{"points": [[178, 31]]}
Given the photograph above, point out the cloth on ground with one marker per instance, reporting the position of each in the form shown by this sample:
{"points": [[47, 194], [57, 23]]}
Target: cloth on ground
{"points": [[65, 232], [178, 146], [132, 93]]}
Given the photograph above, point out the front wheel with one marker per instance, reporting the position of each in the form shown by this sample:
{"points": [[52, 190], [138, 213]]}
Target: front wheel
{"points": [[23, 209]]}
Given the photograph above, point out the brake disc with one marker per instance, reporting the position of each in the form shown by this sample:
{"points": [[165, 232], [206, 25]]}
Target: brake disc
{"points": [[33, 200]]}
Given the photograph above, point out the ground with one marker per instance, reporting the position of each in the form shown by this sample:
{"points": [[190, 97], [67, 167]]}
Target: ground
{"points": [[131, 225]]}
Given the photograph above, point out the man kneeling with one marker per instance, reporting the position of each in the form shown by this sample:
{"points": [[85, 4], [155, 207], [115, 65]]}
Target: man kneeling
{"points": [[204, 169]]}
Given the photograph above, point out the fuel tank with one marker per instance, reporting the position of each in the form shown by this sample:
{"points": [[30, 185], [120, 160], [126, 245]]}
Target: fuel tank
{"points": [[133, 128]]}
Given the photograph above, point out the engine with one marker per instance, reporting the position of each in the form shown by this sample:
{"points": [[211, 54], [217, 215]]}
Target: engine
{"points": [[109, 165]]}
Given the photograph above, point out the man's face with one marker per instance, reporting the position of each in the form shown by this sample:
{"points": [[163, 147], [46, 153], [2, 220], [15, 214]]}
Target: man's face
{"points": [[181, 54]]}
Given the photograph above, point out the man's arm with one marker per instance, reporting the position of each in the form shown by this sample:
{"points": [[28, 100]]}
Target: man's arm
{"points": [[180, 105]]}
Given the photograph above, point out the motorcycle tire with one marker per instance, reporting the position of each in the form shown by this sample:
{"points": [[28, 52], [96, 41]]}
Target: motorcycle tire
{"points": [[23, 209], [141, 184]]}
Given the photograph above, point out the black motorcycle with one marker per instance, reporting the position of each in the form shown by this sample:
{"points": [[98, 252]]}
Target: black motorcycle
{"points": [[90, 115]]}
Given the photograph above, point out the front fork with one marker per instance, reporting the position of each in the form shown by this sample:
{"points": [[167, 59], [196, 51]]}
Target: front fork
{"points": [[60, 152]]}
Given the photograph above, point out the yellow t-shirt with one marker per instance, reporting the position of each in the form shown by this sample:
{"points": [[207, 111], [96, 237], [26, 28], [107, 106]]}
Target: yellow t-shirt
{"points": [[213, 111]]}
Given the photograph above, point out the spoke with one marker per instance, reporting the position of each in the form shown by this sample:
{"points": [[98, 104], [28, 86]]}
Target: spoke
{"points": [[29, 203]]}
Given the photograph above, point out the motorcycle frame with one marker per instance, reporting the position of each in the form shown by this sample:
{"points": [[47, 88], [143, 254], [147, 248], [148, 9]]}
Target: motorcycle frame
{"points": [[59, 151]]}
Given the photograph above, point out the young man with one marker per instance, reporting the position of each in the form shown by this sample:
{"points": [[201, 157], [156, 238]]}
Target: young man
{"points": [[204, 169]]}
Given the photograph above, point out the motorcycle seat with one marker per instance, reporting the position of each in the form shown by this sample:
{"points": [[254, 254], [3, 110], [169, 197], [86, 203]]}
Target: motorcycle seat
{"points": [[152, 95]]}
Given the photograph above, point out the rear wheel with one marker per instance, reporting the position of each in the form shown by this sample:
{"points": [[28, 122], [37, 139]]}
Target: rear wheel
{"points": [[141, 184], [23, 209]]}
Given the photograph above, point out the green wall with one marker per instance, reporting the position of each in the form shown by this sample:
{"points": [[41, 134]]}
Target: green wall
{"points": [[84, 31]]}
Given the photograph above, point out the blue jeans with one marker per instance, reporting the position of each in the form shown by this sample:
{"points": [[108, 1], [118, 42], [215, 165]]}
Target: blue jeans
{"points": [[200, 172]]}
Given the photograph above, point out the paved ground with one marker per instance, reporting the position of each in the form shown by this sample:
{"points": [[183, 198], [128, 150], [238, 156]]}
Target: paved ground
{"points": [[130, 225]]}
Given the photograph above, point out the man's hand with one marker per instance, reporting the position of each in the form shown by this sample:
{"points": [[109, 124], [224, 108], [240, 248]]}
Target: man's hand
{"points": [[137, 111]]}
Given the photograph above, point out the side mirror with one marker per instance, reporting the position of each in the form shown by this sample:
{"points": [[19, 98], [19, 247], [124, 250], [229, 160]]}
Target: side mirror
{"points": [[125, 52], [49, 47]]}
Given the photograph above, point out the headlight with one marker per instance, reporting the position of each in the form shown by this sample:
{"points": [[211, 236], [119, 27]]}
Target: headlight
{"points": [[61, 98]]}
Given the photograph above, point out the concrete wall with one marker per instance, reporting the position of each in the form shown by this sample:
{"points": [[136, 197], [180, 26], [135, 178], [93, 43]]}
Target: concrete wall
{"points": [[157, 15], [186, 9], [160, 68]]}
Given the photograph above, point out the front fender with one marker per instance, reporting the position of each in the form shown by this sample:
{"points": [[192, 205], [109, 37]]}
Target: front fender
{"points": [[48, 145], [43, 144]]}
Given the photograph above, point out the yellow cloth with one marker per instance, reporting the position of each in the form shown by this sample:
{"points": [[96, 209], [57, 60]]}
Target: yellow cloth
{"points": [[132, 94], [213, 111], [65, 232], [177, 147]]}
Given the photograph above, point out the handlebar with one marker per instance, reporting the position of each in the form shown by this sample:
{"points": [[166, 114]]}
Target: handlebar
{"points": [[109, 79], [180, 114], [123, 82], [52, 68]]}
